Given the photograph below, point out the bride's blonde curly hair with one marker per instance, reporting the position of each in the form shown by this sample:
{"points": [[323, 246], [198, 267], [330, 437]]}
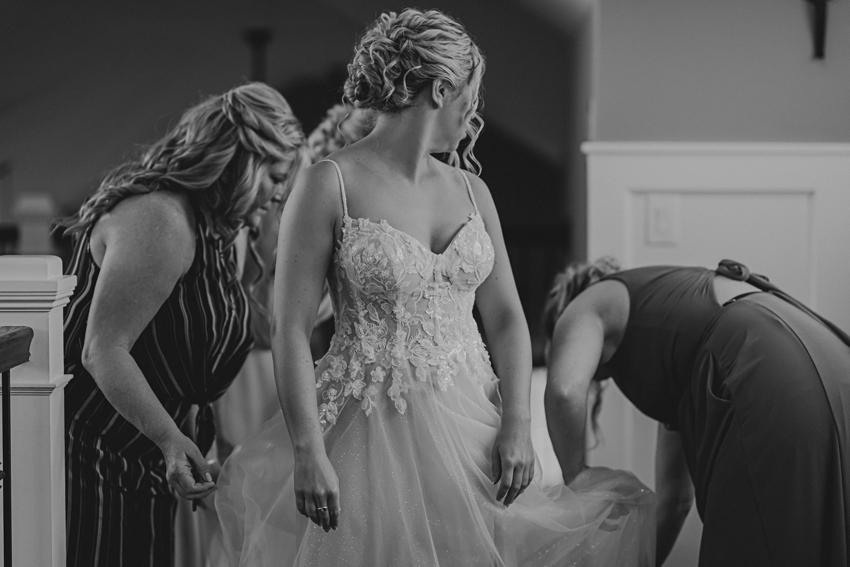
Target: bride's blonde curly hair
{"points": [[216, 154], [402, 54]]}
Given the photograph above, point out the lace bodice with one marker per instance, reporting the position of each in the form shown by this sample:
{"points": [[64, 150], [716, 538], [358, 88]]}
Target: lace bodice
{"points": [[402, 314]]}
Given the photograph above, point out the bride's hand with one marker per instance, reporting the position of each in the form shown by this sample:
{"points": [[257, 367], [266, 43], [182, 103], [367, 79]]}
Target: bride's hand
{"points": [[317, 490], [512, 459]]}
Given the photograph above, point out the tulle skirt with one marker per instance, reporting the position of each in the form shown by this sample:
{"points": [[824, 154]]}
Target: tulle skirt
{"points": [[416, 490], [243, 409]]}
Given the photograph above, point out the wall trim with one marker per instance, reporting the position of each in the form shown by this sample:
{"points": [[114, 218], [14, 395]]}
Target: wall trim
{"points": [[717, 148], [36, 388]]}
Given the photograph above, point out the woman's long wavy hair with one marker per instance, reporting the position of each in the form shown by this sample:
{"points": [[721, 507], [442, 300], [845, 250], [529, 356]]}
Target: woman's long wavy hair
{"points": [[569, 283], [402, 54], [216, 154]]}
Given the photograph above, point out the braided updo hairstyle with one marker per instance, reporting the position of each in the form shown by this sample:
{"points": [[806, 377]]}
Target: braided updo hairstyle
{"points": [[217, 154], [342, 125], [400, 55]]}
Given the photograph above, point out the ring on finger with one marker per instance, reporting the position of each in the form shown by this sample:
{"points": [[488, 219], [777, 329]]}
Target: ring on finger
{"points": [[322, 508]]}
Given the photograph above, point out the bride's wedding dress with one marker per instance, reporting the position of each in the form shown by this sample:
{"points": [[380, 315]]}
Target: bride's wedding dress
{"points": [[410, 409]]}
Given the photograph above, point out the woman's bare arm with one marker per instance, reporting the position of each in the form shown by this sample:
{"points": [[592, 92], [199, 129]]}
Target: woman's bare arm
{"points": [[586, 334], [510, 348], [574, 356], [305, 249], [143, 247], [674, 489]]}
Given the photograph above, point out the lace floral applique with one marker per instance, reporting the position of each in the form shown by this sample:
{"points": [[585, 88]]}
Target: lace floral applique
{"points": [[403, 316]]}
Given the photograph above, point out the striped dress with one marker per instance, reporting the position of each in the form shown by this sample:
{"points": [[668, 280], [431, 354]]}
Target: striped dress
{"points": [[120, 509]]}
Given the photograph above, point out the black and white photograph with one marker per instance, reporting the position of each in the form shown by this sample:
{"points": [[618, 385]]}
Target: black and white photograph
{"points": [[496, 283]]}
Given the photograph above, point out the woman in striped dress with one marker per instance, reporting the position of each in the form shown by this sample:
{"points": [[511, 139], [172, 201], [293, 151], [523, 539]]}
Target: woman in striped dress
{"points": [[160, 321]]}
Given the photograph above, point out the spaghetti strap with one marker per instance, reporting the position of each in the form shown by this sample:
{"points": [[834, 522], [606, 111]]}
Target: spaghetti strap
{"points": [[342, 186], [469, 190]]}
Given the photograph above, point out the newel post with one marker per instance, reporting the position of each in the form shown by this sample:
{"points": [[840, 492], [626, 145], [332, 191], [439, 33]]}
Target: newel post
{"points": [[33, 292]]}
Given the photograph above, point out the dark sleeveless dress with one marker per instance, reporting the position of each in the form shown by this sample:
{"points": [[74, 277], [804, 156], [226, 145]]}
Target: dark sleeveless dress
{"points": [[119, 507], [760, 392]]}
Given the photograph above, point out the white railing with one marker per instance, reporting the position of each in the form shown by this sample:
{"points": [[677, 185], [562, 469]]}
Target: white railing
{"points": [[33, 292]]}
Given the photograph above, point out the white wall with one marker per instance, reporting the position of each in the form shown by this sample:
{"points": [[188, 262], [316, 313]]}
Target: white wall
{"points": [[723, 70]]}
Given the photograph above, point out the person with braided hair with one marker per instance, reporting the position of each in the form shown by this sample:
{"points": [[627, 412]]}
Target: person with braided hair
{"points": [[410, 446], [751, 390], [343, 125], [161, 321]]}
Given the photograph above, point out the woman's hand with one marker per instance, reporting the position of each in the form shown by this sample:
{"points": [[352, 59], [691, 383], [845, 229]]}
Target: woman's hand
{"points": [[186, 469], [512, 460], [317, 490]]}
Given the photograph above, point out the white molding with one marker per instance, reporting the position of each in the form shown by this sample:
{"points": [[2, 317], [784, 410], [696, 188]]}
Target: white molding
{"points": [[803, 149], [38, 388], [697, 190], [58, 287], [30, 268], [33, 284], [34, 304]]}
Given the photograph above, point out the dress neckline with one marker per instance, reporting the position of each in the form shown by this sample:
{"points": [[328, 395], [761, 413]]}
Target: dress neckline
{"points": [[384, 223]]}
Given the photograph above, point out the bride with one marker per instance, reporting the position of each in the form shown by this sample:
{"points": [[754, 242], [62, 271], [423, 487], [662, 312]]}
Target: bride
{"points": [[410, 447]]}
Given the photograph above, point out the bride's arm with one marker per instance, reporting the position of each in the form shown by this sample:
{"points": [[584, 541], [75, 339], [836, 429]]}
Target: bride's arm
{"points": [[305, 248], [510, 348]]}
